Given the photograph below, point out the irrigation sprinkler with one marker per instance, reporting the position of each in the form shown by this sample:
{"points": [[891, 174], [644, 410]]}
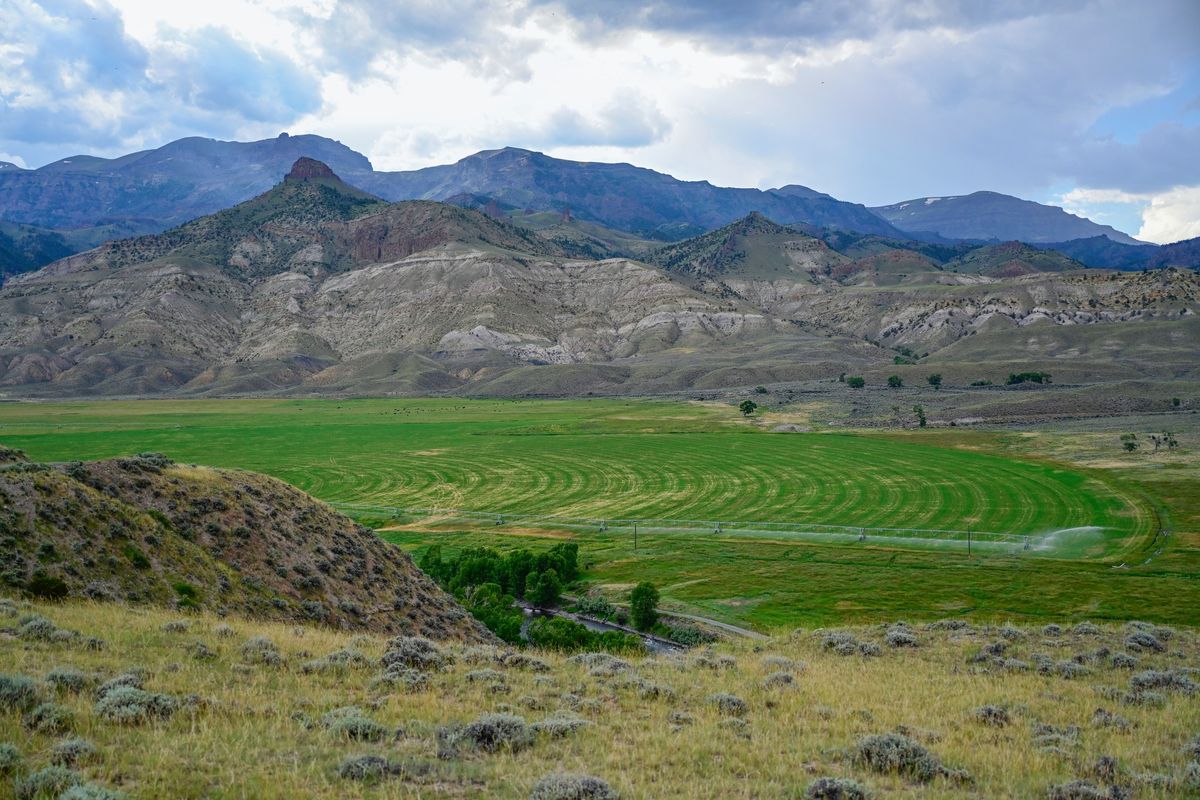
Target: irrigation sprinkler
{"points": [[635, 537], [603, 525], [862, 534], [1027, 548], [968, 541], [499, 519], [718, 530]]}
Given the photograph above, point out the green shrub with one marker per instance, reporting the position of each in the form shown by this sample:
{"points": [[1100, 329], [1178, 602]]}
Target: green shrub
{"points": [[47, 587], [135, 556], [643, 606], [856, 382]]}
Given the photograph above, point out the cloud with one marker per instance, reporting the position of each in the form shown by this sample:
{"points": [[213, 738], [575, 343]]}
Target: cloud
{"points": [[1166, 217], [629, 121], [1166, 155], [209, 71], [796, 25], [73, 79], [362, 36], [1172, 216]]}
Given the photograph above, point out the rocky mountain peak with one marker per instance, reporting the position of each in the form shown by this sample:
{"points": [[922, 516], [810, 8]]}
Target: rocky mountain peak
{"points": [[306, 168]]}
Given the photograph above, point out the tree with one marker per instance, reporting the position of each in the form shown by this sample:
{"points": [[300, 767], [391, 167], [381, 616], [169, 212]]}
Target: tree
{"points": [[855, 382], [747, 407], [544, 589], [1175, 402], [895, 382], [643, 606], [920, 412], [1129, 442], [935, 380]]}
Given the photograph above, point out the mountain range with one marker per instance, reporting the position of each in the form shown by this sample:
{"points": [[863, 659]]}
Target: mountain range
{"points": [[990, 216], [316, 286], [78, 202]]}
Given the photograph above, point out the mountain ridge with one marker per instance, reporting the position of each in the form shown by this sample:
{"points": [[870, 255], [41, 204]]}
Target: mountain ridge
{"points": [[986, 215]]}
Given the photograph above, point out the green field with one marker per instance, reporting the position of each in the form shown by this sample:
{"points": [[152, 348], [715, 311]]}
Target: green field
{"points": [[640, 459], [603, 459]]}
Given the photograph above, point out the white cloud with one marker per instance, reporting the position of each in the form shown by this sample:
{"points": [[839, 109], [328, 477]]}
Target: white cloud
{"points": [[1172, 216], [1166, 217]]}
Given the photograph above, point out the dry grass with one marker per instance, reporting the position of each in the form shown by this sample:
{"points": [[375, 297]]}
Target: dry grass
{"points": [[256, 731]]}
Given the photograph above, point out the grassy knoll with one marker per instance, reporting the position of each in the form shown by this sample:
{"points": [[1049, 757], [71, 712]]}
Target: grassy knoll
{"points": [[762, 721]]}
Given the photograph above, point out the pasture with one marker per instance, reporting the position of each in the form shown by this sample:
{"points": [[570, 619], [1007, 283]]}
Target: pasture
{"points": [[623, 459]]}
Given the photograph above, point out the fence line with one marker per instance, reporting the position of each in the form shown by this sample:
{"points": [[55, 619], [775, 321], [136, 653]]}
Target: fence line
{"points": [[968, 539]]}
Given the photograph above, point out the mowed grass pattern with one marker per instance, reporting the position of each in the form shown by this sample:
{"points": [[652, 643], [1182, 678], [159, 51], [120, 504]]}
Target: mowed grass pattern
{"points": [[601, 458]]}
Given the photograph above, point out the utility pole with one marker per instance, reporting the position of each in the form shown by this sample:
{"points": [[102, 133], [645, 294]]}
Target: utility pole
{"points": [[968, 541], [635, 537]]}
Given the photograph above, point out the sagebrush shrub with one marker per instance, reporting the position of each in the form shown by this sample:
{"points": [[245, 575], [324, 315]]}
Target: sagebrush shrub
{"points": [[493, 732], [359, 729], [1077, 790], [601, 663], [895, 753], [10, 758], [777, 680], [366, 768], [414, 651], [995, 716], [556, 726], [402, 678], [67, 680], [1124, 661], [1160, 679], [261, 650], [72, 752], [835, 789], [729, 705], [50, 781], [49, 719], [91, 791], [565, 786], [35, 627], [129, 705], [18, 692], [1139, 641], [132, 678]]}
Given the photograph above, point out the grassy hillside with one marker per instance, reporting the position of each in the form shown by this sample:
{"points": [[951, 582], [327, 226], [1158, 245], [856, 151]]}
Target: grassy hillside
{"points": [[145, 530], [996, 712]]}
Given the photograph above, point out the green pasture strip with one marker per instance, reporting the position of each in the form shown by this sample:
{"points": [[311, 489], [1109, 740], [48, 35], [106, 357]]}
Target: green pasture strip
{"points": [[590, 458], [777, 586]]}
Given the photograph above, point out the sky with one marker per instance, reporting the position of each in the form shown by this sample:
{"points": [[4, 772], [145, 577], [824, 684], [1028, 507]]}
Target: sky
{"points": [[1089, 104]]}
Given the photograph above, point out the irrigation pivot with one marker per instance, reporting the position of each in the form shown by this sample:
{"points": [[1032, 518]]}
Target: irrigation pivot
{"points": [[1052, 543]]}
